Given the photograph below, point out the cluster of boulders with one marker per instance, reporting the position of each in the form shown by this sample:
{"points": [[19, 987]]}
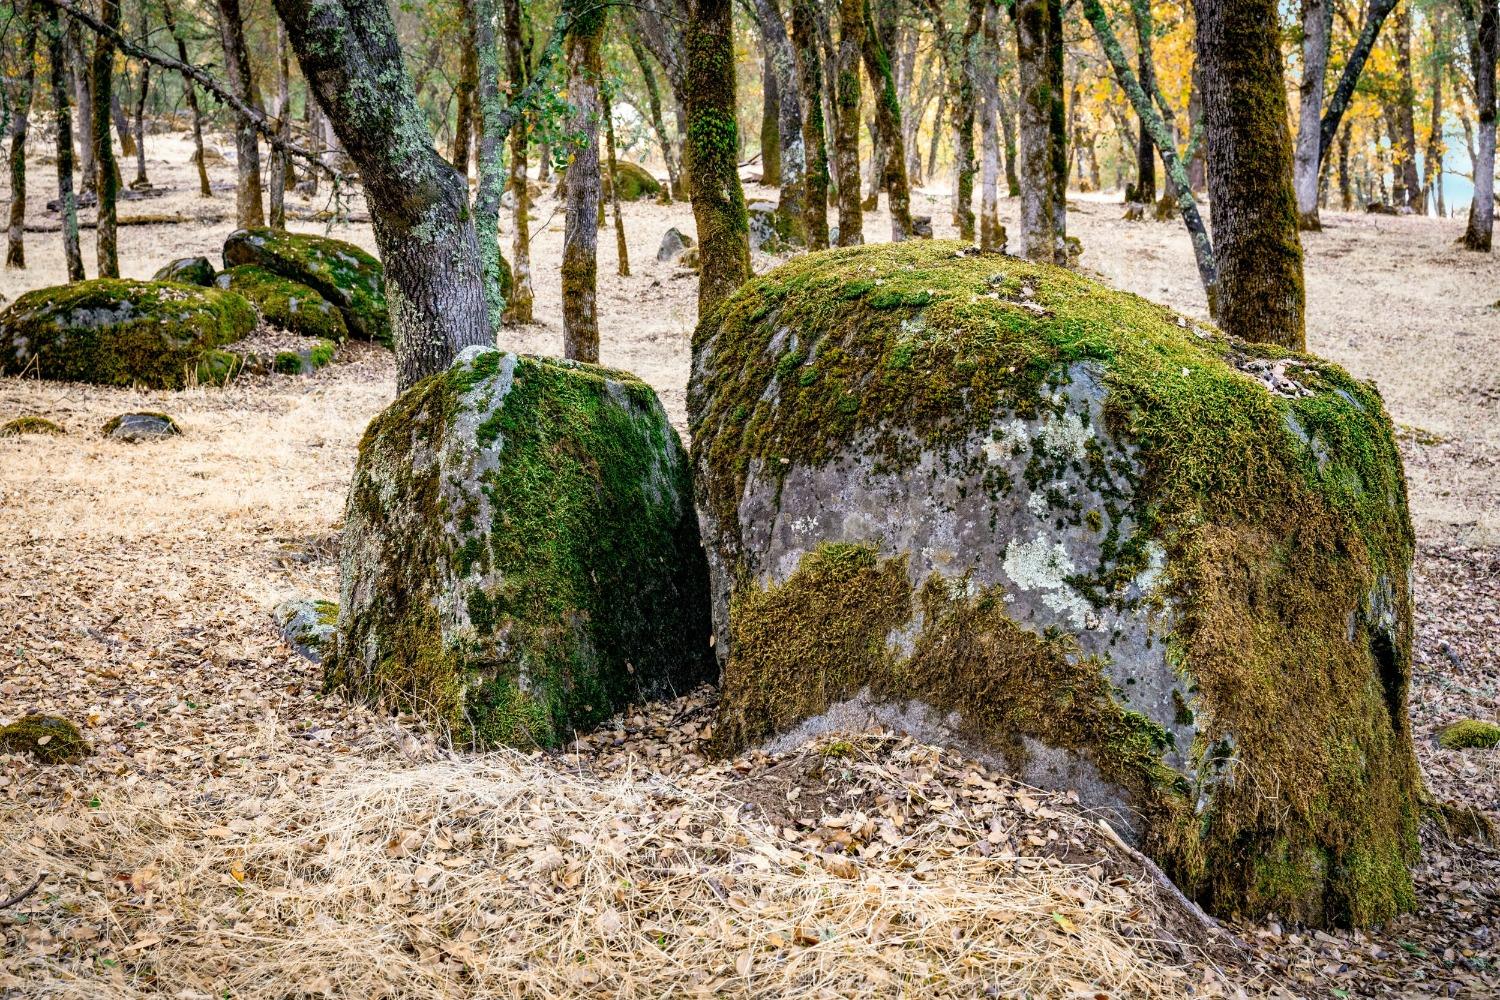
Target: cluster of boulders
{"points": [[181, 327]]}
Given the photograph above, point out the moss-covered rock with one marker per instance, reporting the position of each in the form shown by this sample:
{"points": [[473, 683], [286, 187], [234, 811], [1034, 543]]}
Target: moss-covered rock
{"points": [[113, 331], [285, 304], [49, 739], [307, 625], [340, 272], [1469, 734], [30, 425], [520, 554], [635, 181], [134, 428], [1000, 505], [187, 271]]}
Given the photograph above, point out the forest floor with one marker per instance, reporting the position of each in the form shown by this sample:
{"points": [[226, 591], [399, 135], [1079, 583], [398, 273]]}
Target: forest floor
{"points": [[237, 834]]}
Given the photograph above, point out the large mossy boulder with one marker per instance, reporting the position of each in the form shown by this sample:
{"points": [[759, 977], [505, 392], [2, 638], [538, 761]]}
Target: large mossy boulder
{"points": [[187, 270], [113, 331], [520, 554], [340, 272], [1001, 506], [635, 181], [285, 304]]}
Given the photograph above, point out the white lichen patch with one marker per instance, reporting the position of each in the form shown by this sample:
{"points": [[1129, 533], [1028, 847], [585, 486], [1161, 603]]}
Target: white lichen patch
{"points": [[1066, 435], [1043, 566], [1156, 561]]}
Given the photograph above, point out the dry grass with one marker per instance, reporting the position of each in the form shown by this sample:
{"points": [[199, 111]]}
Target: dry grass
{"points": [[505, 876]]}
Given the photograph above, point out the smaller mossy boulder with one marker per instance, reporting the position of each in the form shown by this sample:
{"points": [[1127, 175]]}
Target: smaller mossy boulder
{"points": [[520, 555], [1470, 734], [285, 304], [635, 181], [673, 242], [134, 428], [306, 360], [29, 425], [188, 271], [341, 272], [113, 331], [307, 625], [49, 739]]}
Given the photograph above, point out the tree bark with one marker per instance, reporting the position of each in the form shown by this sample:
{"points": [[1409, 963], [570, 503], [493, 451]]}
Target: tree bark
{"points": [[712, 142], [1406, 129], [1145, 149], [1338, 102], [83, 99], [522, 298], [1317, 29], [247, 197], [1261, 295], [1006, 110], [15, 251], [418, 202], [846, 135], [793, 145], [279, 160], [108, 180], [468, 82], [879, 38], [622, 250], [580, 263], [1037, 236], [1484, 48], [810, 90], [1432, 162], [490, 161], [141, 182], [770, 129], [658, 123], [1058, 132], [58, 67]]}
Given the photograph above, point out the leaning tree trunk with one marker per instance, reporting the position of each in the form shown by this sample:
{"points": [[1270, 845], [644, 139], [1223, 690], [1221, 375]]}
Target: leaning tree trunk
{"points": [[846, 128], [15, 251], [1036, 131], [1338, 102], [418, 203], [1261, 295], [191, 92], [793, 146], [580, 263], [108, 180], [1317, 29], [522, 299], [67, 204], [247, 201], [880, 38], [1484, 48], [658, 123], [810, 90], [712, 141]]}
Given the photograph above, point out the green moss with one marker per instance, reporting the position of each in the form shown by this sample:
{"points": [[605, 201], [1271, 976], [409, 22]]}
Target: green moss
{"points": [[340, 272], [635, 181], [1469, 734], [111, 331], [1281, 517], [583, 580], [49, 739], [188, 271], [285, 304], [30, 425]]}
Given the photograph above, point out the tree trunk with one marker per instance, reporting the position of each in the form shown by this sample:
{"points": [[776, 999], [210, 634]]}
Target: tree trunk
{"points": [[880, 37], [1346, 201], [191, 93], [1007, 112], [936, 137], [1317, 29], [580, 264], [810, 89], [912, 101], [58, 66], [622, 250], [468, 82], [489, 161], [15, 251], [961, 54], [279, 160], [1432, 162], [522, 298], [1037, 236], [247, 197], [770, 127], [1145, 149], [141, 182], [108, 179], [1197, 169], [122, 123], [418, 203], [658, 123], [1259, 257], [1375, 15], [1484, 48], [846, 134], [712, 139], [83, 99], [991, 232], [1406, 129], [1058, 132], [793, 144]]}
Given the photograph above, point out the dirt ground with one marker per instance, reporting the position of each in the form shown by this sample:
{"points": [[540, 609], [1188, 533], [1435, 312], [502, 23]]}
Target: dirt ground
{"points": [[136, 583]]}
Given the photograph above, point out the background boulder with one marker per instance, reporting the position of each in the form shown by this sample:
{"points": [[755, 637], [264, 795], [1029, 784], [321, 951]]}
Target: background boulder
{"points": [[285, 304], [340, 272], [520, 553], [188, 270], [1001, 506], [113, 331]]}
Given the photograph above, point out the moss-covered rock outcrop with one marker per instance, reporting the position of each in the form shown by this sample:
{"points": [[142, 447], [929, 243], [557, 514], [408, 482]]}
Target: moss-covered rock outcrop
{"points": [[341, 272], [49, 739], [520, 554], [1000, 505], [285, 304], [187, 271], [30, 425], [635, 181], [113, 331]]}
